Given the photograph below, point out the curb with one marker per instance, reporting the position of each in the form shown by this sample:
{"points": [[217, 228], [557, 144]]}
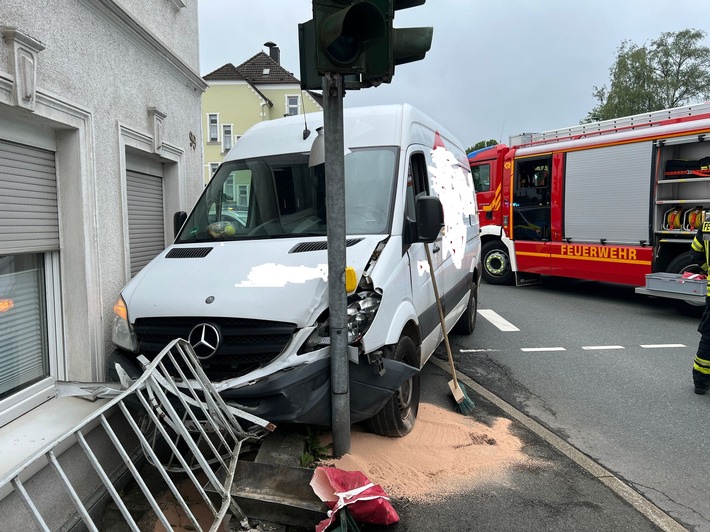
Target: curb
{"points": [[635, 499]]}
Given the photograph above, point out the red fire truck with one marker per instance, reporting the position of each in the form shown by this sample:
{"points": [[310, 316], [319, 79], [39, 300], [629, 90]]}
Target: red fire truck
{"points": [[607, 201]]}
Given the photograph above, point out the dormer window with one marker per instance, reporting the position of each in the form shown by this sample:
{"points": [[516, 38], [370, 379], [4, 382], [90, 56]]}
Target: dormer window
{"points": [[266, 71]]}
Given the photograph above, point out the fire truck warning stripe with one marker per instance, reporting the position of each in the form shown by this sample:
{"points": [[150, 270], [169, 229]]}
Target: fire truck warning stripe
{"points": [[594, 259]]}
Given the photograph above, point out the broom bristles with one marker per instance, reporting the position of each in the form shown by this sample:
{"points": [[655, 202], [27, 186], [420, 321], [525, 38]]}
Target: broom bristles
{"points": [[464, 404]]}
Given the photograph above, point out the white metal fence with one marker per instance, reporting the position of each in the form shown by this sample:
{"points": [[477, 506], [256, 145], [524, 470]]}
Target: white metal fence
{"points": [[177, 422]]}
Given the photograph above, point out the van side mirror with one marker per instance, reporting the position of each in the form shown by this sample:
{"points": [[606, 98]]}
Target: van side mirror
{"points": [[179, 219], [430, 218]]}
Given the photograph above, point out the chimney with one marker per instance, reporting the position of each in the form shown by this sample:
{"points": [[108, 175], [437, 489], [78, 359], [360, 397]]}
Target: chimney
{"points": [[274, 51]]}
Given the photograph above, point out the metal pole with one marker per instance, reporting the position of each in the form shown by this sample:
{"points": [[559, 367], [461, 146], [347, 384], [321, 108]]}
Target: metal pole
{"points": [[335, 218]]}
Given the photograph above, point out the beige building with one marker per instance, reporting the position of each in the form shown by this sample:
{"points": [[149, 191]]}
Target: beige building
{"points": [[238, 97]]}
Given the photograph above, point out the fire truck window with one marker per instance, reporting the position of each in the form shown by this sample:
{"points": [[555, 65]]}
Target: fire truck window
{"points": [[531, 199], [481, 177]]}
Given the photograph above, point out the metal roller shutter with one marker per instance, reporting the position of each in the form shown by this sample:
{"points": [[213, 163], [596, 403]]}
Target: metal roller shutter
{"points": [[28, 200], [145, 218], [596, 207]]}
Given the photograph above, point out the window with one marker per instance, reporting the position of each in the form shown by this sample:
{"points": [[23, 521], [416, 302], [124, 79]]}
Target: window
{"points": [[213, 168], [292, 104], [481, 177], [226, 137], [24, 355], [242, 195], [213, 133]]}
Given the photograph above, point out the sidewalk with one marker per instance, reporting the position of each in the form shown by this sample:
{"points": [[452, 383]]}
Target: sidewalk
{"points": [[512, 474]]}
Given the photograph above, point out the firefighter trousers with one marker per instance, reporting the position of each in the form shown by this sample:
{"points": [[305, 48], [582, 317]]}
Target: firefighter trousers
{"points": [[701, 364]]}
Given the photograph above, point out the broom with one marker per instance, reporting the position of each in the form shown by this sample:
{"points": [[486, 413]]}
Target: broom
{"points": [[463, 403]]}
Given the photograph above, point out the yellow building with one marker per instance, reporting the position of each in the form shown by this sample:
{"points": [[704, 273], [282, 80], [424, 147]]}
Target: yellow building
{"points": [[238, 97]]}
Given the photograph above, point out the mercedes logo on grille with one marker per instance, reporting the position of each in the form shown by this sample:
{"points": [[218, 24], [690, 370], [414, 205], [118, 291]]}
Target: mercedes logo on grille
{"points": [[205, 339]]}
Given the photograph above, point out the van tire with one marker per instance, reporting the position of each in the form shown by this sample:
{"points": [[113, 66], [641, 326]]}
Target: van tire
{"points": [[496, 263], [681, 264], [467, 321], [397, 417]]}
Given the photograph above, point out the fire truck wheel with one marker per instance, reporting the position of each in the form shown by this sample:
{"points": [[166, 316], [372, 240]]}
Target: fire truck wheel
{"points": [[496, 263], [397, 417], [467, 321], [681, 264]]}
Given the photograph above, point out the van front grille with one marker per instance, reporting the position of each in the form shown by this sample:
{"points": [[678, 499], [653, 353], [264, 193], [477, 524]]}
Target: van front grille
{"points": [[246, 344]]}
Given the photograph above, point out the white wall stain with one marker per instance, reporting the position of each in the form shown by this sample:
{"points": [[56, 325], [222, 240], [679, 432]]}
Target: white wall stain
{"points": [[455, 190], [273, 275]]}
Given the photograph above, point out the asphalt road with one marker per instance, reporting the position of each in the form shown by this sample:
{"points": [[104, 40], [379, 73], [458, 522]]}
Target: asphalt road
{"points": [[607, 370]]}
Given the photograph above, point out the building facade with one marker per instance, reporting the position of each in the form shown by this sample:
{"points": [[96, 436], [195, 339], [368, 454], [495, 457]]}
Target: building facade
{"points": [[238, 97], [100, 142]]}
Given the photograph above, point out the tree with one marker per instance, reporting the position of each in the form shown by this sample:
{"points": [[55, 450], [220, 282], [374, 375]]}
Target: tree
{"points": [[481, 144], [672, 71]]}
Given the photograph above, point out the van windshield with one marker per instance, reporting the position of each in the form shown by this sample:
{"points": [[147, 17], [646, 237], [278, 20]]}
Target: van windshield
{"points": [[281, 196]]}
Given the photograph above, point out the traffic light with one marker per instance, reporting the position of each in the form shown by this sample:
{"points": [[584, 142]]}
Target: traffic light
{"points": [[356, 37], [400, 45]]}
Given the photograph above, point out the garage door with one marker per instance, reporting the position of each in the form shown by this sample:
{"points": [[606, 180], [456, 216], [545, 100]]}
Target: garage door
{"points": [[146, 227]]}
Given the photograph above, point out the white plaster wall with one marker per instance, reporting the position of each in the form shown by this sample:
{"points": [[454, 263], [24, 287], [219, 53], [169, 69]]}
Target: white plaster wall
{"points": [[174, 26], [107, 73]]}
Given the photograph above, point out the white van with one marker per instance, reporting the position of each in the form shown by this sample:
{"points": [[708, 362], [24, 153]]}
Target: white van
{"points": [[245, 281]]}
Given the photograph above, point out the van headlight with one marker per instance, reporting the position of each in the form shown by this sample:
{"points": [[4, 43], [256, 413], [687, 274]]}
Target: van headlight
{"points": [[122, 334], [361, 312]]}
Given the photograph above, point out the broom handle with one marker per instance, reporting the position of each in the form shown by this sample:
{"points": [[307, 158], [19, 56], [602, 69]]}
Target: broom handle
{"points": [[441, 315]]}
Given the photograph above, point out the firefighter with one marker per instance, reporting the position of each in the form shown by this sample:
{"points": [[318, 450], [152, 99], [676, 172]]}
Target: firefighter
{"points": [[701, 365]]}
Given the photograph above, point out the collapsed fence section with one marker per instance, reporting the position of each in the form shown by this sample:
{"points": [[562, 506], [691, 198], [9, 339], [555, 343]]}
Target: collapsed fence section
{"points": [[170, 417]]}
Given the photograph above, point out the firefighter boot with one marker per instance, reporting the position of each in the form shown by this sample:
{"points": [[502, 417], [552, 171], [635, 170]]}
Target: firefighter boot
{"points": [[701, 375]]}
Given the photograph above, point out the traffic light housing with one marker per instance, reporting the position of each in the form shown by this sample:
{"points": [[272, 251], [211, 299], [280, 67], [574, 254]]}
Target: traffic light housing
{"points": [[400, 45], [357, 38]]}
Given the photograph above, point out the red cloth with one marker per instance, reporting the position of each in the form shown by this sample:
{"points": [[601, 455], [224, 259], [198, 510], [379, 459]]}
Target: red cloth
{"points": [[366, 502]]}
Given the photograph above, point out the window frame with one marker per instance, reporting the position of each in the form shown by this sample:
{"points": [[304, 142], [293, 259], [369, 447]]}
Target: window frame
{"points": [[289, 107], [212, 139], [227, 146]]}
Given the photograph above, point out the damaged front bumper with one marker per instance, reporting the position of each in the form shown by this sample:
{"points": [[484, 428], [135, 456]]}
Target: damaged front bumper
{"points": [[301, 394]]}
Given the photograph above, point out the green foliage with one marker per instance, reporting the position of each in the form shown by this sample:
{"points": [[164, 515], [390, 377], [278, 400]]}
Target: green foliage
{"points": [[481, 144], [674, 70], [314, 451]]}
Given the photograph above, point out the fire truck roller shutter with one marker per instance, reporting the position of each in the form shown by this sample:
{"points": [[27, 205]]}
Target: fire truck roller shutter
{"points": [[597, 206]]}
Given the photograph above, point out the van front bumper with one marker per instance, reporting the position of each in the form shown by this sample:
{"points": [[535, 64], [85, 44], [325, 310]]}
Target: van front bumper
{"points": [[302, 394]]}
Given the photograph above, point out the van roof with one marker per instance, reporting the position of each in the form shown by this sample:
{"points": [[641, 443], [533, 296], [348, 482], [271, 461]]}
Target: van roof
{"points": [[382, 125]]}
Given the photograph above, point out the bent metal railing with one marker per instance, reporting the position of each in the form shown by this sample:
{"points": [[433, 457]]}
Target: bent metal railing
{"points": [[181, 424]]}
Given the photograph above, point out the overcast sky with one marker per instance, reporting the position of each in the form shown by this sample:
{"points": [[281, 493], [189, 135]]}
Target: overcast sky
{"points": [[496, 68]]}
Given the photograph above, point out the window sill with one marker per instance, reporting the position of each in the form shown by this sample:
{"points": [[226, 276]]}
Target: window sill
{"points": [[30, 433]]}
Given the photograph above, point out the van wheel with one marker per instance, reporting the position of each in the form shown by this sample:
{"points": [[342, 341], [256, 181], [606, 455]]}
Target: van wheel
{"points": [[496, 263], [681, 264], [467, 321], [397, 417]]}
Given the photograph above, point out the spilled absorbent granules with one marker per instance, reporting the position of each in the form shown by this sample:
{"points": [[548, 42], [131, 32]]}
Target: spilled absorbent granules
{"points": [[445, 453]]}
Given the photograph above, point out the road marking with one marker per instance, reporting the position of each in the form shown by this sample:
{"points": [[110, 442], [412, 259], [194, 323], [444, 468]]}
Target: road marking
{"points": [[497, 320], [478, 350], [661, 346], [536, 349], [600, 347]]}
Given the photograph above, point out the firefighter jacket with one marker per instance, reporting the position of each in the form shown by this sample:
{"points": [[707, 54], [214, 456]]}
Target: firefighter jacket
{"points": [[701, 248]]}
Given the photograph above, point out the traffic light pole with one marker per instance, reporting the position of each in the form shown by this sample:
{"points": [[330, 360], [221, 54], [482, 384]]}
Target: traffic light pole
{"points": [[335, 218]]}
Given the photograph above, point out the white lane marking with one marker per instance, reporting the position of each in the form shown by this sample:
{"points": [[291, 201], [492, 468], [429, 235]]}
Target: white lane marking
{"points": [[535, 349], [600, 347], [478, 350], [661, 346], [497, 320]]}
